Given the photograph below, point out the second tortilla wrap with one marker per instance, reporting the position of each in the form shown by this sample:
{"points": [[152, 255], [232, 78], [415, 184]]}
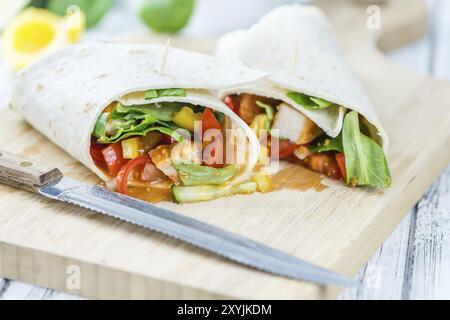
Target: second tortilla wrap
{"points": [[297, 47]]}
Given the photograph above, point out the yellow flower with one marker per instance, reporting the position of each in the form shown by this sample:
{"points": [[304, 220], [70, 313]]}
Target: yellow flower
{"points": [[75, 23], [36, 32]]}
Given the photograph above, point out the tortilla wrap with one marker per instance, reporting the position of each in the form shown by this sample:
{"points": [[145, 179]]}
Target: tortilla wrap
{"points": [[64, 94], [297, 46]]}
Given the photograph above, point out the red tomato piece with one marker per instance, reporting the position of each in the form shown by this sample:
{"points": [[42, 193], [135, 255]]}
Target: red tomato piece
{"points": [[113, 156], [209, 121], [286, 148], [232, 103], [340, 159], [97, 155], [216, 157]]}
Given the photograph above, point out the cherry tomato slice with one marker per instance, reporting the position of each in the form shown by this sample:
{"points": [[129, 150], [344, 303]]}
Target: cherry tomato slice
{"points": [[340, 159], [127, 170]]}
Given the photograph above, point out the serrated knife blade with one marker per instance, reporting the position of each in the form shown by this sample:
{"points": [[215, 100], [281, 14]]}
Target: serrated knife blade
{"points": [[29, 175]]}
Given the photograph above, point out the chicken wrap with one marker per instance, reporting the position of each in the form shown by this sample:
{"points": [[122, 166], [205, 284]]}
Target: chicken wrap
{"points": [[311, 101], [141, 117]]}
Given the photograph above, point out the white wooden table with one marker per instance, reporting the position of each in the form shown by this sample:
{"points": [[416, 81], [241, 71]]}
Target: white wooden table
{"points": [[413, 262]]}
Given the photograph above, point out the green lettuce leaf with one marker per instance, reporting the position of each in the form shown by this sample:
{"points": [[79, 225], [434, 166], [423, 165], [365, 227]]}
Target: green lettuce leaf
{"points": [[196, 174], [365, 160], [153, 94], [326, 144], [308, 102], [95, 10], [142, 130], [162, 112], [129, 121], [100, 126], [270, 111]]}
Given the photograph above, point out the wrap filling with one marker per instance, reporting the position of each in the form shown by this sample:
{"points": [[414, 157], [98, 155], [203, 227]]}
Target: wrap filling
{"points": [[151, 147], [354, 156]]}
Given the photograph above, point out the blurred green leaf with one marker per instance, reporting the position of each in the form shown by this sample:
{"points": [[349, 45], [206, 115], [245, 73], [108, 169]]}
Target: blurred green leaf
{"points": [[93, 9], [167, 16], [38, 3]]}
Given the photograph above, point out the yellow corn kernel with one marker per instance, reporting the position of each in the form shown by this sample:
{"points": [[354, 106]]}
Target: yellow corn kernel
{"points": [[130, 148], [260, 125], [186, 118], [263, 182], [263, 155]]}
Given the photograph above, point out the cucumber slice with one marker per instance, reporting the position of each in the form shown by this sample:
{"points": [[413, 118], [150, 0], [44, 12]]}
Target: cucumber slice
{"points": [[197, 175], [204, 193]]}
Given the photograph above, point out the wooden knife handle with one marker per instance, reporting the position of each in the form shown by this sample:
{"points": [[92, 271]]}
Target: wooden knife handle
{"points": [[25, 174]]}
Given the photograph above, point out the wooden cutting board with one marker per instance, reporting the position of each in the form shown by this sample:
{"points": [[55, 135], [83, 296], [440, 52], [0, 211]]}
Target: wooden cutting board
{"points": [[46, 243]]}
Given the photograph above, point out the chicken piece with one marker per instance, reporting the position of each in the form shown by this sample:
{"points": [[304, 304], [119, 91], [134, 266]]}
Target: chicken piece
{"points": [[164, 156], [152, 174], [186, 152], [248, 109], [161, 157], [294, 126]]}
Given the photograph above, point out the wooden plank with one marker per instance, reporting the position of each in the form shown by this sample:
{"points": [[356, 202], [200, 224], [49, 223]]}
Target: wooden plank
{"points": [[339, 228], [4, 285], [425, 274], [384, 274], [378, 282], [382, 277], [441, 37], [14, 290], [430, 253], [430, 277]]}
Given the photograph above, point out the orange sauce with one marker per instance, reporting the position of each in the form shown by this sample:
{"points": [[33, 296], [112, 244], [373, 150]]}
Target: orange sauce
{"points": [[154, 195], [293, 177], [297, 177], [156, 192]]}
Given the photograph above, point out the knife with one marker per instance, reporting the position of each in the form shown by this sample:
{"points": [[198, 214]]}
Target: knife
{"points": [[31, 176]]}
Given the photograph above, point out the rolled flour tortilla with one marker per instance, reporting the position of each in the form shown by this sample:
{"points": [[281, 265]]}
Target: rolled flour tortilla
{"points": [[64, 95], [297, 46]]}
